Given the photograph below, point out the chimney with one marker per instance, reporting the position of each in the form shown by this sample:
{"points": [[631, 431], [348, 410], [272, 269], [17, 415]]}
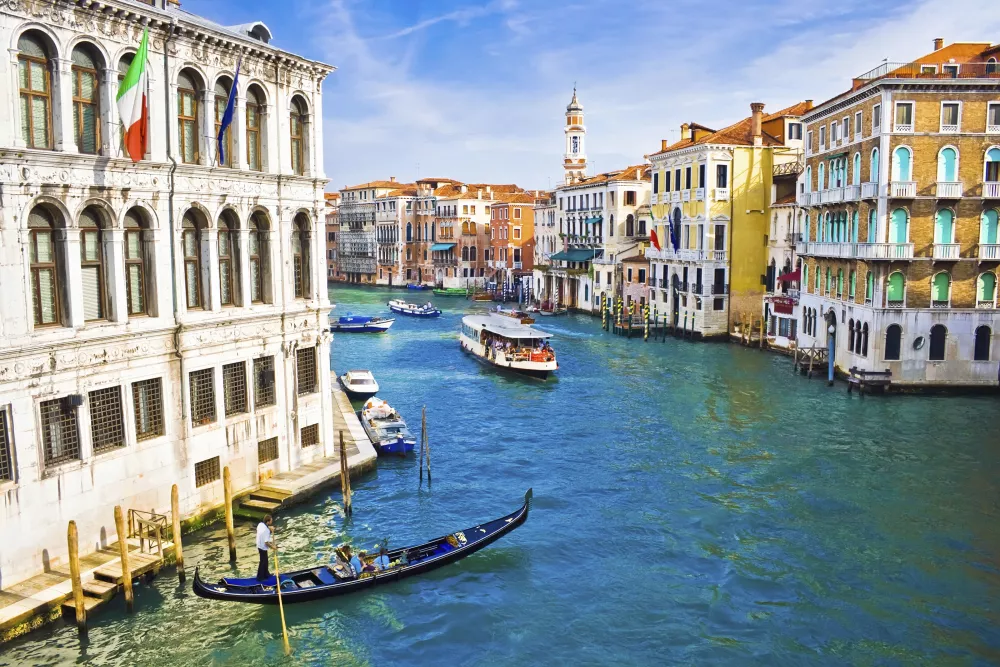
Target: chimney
{"points": [[938, 43], [809, 104], [465, 188], [479, 193], [756, 114], [663, 144], [392, 179], [684, 131]]}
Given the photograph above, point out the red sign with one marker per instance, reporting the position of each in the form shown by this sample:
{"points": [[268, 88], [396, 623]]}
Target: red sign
{"points": [[783, 304]]}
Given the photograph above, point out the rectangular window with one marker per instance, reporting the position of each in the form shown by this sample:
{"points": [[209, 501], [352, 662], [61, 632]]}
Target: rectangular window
{"points": [[147, 400], [309, 435], [950, 113], [822, 137], [993, 117], [642, 275], [6, 460], [950, 70], [517, 214], [834, 133], [656, 182], [904, 117], [722, 175], [876, 119], [305, 359], [687, 178], [207, 471], [677, 181], [630, 197], [809, 141], [517, 233], [202, 386], [234, 388], [857, 124], [630, 274], [846, 125], [794, 131], [60, 432], [267, 450], [701, 176], [107, 424]]}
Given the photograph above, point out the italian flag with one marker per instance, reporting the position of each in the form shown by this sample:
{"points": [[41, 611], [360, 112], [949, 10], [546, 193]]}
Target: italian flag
{"points": [[133, 109]]}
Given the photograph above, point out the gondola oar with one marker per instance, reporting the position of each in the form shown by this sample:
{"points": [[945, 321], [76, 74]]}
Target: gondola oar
{"points": [[281, 607]]}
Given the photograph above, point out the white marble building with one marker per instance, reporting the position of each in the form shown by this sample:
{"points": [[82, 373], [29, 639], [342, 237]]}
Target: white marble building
{"points": [[160, 320]]}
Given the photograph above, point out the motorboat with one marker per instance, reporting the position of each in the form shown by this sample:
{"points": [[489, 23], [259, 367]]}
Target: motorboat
{"points": [[413, 310], [359, 384], [386, 428], [519, 315], [503, 342], [416, 286], [450, 291], [361, 324]]}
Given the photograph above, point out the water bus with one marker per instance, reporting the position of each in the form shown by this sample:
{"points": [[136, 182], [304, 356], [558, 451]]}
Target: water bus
{"points": [[504, 342], [413, 310]]}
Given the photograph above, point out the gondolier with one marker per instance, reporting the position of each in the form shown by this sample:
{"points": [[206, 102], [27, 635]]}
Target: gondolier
{"points": [[265, 541]]}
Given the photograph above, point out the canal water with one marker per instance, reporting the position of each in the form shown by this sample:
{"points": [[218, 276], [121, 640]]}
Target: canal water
{"points": [[694, 504]]}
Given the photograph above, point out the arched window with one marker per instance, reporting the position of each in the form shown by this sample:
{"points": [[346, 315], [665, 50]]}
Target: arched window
{"points": [[939, 334], [820, 183], [991, 172], [255, 123], [991, 66], [941, 289], [944, 225], [86, 100], [465, 254], [229, 263], [986, 290], [191, 238], [816, 287], [873, 167], [300, 256], [988, 229], [297, 127], [188, 130], [586, 292], [92, 269], [840, 283], [472, 254], [805, 277], [809, 178], [898, 226], [902, 167], [856, 176], [896, 292], [852, 285], [630, 225], [981, 347], [864, 340], [222, 88], [409, 232], [829, 280], [893, 342], [805, 227], [46, 267], [138, 278], [873, 226], [948, 165], [869, 287], [850, 335], [34, 73], [854, 228]]}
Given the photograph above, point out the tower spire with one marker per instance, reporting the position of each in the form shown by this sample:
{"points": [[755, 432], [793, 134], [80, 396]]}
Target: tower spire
{"points": [[575, 157]]}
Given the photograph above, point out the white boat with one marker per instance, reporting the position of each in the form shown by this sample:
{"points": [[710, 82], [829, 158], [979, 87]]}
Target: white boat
{"points": [[386, 428], [504, 342], [404, 308], [359, 384]]}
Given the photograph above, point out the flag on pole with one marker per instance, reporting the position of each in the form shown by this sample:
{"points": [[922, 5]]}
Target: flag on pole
{"points": [[653, 238], [227, 116], [133, 107]]}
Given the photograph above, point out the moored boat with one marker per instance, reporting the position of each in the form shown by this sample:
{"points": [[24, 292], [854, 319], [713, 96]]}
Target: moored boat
{"points": [[413, 310], [415, 286], [519, 315], [323, 581], [450, 291], [504, 342], [361, 324], [386, 428], [359, 384]]}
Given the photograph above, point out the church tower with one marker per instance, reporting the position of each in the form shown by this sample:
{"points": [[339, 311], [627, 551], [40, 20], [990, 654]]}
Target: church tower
{"points": [[575, 157]]}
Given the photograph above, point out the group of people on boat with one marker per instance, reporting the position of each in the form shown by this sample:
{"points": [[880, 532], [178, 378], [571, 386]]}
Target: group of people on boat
{"points": [[538, 351]]}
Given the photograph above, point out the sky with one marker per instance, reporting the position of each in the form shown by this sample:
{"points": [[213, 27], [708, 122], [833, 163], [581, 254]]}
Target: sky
{"points": [[477, 91]]}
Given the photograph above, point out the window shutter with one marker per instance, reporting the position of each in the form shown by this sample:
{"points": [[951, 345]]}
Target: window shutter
{"points": [[46, 296], [91, 293]]}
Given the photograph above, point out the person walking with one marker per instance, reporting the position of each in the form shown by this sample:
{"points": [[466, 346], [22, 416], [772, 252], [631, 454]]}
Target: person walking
{"points": [[265, 541]]}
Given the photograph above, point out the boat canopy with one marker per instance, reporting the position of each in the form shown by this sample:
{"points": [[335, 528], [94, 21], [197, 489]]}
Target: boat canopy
{"points": [[513, 329]]}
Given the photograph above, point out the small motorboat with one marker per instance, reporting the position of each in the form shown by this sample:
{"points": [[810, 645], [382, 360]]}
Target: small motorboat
{"points": [[416, 286], [556, 311], [361, 324], [359, 384], [386, 428], [413, 310], [450, 291], [324, 581], [482, 296], [519, 315]]}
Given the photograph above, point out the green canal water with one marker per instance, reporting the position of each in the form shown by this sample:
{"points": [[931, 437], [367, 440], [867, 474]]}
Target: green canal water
{"points": [[694, 504]]}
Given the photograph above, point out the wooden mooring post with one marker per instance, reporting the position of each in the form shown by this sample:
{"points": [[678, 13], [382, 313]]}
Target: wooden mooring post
{"points": [[227, 489], [123, 554], [73, 541], [427, 445], [175, 516], [345, 477]]}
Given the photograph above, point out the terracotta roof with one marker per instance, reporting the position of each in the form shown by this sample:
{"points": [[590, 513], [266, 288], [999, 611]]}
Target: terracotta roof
{"points": [[639, 172], [637, 259], [515, 198], [787, 199], [737, 134], [331, 196], [454, 191], [376, 184], [407, 191], [960, 52], [797, 109]]}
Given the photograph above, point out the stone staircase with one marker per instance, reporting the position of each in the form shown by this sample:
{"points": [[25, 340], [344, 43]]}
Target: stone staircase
{"points": [[261, 501]]}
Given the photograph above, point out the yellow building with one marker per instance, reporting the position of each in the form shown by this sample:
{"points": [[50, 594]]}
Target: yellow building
{"points": [[712, 192]]}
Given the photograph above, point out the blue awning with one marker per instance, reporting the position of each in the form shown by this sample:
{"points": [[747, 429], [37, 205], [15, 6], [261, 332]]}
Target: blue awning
{"points": [[442, 246], [574, 255], [593, 221]]}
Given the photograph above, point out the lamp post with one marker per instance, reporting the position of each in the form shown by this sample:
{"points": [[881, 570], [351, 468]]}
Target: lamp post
{"points": [[831, 346]]}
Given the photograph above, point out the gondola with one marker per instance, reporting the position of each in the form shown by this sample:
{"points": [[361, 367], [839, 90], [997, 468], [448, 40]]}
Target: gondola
{"points": [[321, 582]]}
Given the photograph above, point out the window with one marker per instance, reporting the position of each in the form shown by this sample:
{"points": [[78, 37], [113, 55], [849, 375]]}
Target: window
{"points": [[147, 402], [300, 256], [993, 117], [188, 131], [941, 289], [6, 460], [687, 181], [834, 132], [517, 214], [822, 137], [60, 432], [904, 117], [944, 226], [992, 172], [846, 129], [981, 348], [260, 284], [222, 88], [45, 267], [986, 287], [107, 424], [677, 184], [898, 226], [950, 70], [34, 75], [191, 240], [656, 182], [267, 450], [896, 292], [858, 125], [207, 471], [869, 287], [948, 165], [794, 131], [309, 435], [950, 116], [856, 176], [852, 285], [305, 365], [255, 114], [630, 194], [234, 388], [517, 233], [939, 335], [297, 120], [135, 263], [893, 340], [873, 167], [876, 119], [92, 271], [228, 285], [202, 385], [901, 167], [86, 104], [263, 382]]}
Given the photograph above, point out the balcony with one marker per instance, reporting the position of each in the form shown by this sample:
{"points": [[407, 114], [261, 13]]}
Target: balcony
{"points": [[801, 248], [986, 305], [720, 289], [857, 136], [852, 192], [830, 249], [686, 195], [675, 196], [949, 129], [831, 196], [890, 251], [940, 304], [903, 189], [946, 251], [721, 194], [654, 198], [949, 189], [518, 266], [989, 251], [698, 288], [715, 255], [993, 129], [906, 128], [991, 190], [699, 194], [895, 304], [869, 190]]}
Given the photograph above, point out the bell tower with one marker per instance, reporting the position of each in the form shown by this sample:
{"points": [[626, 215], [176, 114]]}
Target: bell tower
{"points": [[575, 157]]}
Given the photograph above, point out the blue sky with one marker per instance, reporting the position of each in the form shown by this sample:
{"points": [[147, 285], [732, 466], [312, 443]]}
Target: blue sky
{"points": [[477, 90]]}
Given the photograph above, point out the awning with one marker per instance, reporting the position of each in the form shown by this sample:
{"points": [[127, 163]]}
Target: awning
{"points": [[795, 276], [442, 246], [575, 255], [593, 221]]}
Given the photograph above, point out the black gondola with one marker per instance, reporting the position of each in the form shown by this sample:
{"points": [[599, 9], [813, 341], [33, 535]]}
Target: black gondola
{"points": [[320, 582]]}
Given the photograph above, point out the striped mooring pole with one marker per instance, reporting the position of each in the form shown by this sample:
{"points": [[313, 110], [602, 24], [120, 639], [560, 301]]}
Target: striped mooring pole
{"points": [[645, 335]]}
